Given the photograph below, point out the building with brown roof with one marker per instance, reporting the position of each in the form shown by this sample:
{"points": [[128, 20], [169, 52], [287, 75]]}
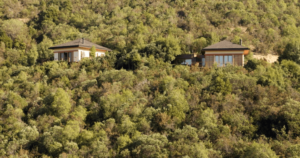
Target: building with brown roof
{"points": [[190, 59], [75, 50], [224, 53]]}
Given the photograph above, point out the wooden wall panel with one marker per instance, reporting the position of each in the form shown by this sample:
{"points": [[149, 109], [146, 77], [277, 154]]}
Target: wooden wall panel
{"points": [[209, 61], [238, 60]]}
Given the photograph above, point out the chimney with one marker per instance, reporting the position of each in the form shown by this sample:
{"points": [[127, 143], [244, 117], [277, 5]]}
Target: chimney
{"points": [[82, 40], [241, 42]]}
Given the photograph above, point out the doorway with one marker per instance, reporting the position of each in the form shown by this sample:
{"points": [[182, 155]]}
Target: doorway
{"points": [[65, 56], [70, 57]]}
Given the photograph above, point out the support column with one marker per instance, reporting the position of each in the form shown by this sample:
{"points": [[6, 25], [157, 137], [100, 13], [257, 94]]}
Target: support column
{"points": [[72, 58], [56, 56], [243, 60]]}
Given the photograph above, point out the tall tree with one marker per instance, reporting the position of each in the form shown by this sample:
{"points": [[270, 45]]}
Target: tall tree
{"points": [[93, 52]]}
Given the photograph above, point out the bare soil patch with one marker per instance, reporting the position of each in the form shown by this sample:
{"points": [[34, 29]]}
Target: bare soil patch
{"points": [[269, 58], [24, 20]]}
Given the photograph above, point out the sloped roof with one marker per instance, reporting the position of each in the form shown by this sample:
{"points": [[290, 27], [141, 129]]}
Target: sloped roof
{"points": [[225, 45], [81, 42]]}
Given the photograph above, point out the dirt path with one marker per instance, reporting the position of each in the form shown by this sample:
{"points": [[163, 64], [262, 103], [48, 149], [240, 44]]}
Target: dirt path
{"points": [[24, 20], [269, 58]]}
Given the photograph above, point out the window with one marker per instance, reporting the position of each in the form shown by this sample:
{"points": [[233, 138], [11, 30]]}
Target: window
{"points": [[219, 60], [223, 60], [187, 62], [62, 56], [203, 62], [70, 57], [228, 59]]}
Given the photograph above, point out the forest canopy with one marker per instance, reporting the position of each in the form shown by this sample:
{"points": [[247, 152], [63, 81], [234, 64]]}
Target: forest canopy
{"points": [[134, 102]]}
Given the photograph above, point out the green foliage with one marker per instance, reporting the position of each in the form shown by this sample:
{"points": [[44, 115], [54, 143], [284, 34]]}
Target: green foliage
{"points": [[71, 130], [60, 106], [191, 148], [291, 117], [291, 52], [207, 120], [122, 76], [291, 67], [99, 149], [220, 85], [42, 48], [293, 151], [52, 140], [29, 134], [259, 150], [133, 102], [51, 14], [199, 44], [252, 64], [32, 55], [177, 105], [164, 48], [16, 100], [82, 110], [271, 76], [93, 52], [150, 146], [15, 29], [6, 40], [131, 60], [169, 48]]}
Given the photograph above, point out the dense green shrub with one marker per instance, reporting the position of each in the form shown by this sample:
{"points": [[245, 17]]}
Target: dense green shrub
{"points": [[160, 109], [134, 102]]}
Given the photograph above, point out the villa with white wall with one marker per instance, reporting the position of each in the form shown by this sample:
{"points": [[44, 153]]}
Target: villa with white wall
{"points": [[75, 50]]}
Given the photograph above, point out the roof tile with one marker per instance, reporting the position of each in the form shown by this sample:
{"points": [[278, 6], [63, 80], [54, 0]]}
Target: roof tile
{"points": [[225, 45], [79, 43]]}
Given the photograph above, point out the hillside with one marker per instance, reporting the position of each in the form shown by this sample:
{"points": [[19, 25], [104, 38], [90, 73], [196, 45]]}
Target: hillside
{"points": [[128, 26], [134, 102]]}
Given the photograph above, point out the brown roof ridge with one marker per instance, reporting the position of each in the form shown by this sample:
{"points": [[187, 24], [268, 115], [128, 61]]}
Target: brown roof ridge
{"points": [[225, 45], [80, 42]]}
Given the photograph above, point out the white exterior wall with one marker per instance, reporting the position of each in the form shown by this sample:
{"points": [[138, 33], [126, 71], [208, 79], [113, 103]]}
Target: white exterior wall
{"points": [[84, 53], [55, 56], [243, 60], [99, 54], [76, 56], [79, 55]]}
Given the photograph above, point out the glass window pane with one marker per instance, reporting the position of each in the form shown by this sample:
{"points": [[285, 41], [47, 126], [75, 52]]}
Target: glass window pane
{"points": [[70, 57], [188, 61], [203, 62], [225, 59], [217, 59], [62, 56], [183, 62], [221, 60], [230, 59]]}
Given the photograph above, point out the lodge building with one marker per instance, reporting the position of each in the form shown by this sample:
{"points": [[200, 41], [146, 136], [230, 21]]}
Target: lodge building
{"points": [[222, 53], [76, 50]]}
